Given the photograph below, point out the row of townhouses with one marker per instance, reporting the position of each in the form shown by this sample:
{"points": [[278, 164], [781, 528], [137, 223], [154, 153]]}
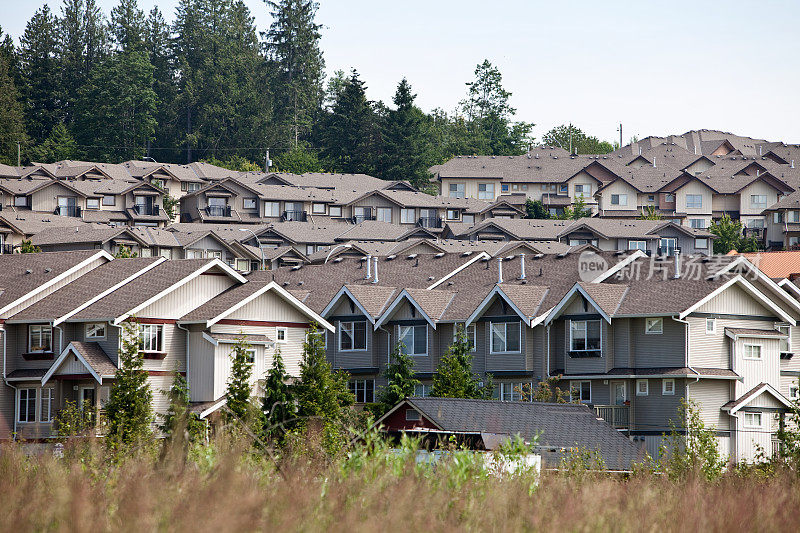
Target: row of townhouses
{"points": [[630, 335]]}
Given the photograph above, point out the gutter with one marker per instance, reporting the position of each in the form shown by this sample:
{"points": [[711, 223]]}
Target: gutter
{"points": [[676, 318], [5, 380], [187, 352]]}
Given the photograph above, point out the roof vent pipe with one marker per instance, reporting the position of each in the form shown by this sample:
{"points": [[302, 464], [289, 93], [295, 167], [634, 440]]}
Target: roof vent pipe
{"points": [[654, 162], [792, 163], [369, 259], [522, 266], [375, 268], [677, 274], [499, 270]]}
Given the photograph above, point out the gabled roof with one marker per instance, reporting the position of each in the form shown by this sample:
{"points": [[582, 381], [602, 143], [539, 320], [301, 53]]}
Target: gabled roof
{"points": [[98, 364], [430, 303], [525, 300], [762, 388], [370, 299]]}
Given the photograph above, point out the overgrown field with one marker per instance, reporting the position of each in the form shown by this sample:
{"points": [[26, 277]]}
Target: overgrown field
{"points": [[228, 486]]}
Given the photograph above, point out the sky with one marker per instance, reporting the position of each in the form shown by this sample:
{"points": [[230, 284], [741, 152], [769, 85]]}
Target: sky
{"points": [[657, 68]]}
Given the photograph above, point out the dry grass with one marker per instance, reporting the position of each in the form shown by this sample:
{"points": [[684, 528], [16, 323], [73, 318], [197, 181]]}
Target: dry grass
{"points": [[235, 490]]}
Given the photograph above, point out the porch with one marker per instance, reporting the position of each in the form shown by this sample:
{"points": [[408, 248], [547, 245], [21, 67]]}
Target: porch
{"points": [[618, 416]]}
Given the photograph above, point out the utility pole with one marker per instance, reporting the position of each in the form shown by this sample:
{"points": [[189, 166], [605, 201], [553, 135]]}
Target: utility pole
{"points": [[267, 161], [620, 134], [19, 159]]}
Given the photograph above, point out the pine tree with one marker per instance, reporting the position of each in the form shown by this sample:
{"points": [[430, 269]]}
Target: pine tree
{"points": [[27, 247], [159, 49], [535, 209], [128, 25], [401, 383], [454, 377], [178, 415], [279, 407], [58, 146], [239, 388], [292, 45], [12, 121], [407, 154], [129, 409], [298, 161]]}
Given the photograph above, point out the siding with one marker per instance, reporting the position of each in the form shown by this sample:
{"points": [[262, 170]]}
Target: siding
{"points": [[187, 297], [664, 350], [654, 411], [710, 395], [200, 372]]}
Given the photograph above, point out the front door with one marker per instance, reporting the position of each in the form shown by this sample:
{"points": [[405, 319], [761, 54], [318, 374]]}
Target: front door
{"points": [[67, 206], [619, 391]]}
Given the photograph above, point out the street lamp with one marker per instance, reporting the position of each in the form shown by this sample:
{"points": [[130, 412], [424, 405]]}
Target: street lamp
{"points": [[334, 248], [251, 232]]}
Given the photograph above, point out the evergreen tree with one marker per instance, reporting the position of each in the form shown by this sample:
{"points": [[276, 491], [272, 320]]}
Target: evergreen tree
{"points": [[159, 50], [730, 237], [577, 210], [12, 121], [178, 417], [128, 25], [298, 161], [40, 75], [401, 383], [535, 209], [239, 388], [650, 213], [574, 140], [58, 146], [292, 45], [406, 155], [278, 406], [27, 247], [129, 408], [454, 377]]}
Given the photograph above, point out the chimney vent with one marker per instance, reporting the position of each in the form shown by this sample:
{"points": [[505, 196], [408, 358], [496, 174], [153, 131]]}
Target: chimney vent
{"points": [[792, 163], [375, 268], [677, 274], [522, 266], [499, 270], [369, 274]]}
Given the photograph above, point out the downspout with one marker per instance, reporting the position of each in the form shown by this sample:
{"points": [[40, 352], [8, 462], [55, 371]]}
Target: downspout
{"points": [[3, 329], [547, 370], [60, 337], [687, 339], [187, 351]]}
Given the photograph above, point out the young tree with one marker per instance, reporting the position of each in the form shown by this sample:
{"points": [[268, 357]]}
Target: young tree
{"points": [[577, 210], [178, 417], [129, 410], [401, 383], [729, 237], [12, 125], [650, 213], [124, 252], [27, 247], [547, 391], [574, 140], [535, 209], [693, 448], [454, 377], [279, 407], [239, 388], [58, 146]]}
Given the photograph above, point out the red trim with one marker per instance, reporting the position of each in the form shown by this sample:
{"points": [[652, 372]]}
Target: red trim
{"points": [[141, 320], [72, 377], [232, 322], [163, 373]]}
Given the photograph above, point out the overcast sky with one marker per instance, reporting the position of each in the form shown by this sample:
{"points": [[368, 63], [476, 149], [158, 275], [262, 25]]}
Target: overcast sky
{"points": [[657, 67]]}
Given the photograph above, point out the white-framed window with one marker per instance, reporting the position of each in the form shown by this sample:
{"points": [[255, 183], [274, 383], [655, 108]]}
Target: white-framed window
{"points": [[697, 223], [506, 337], [701, 243], [512, 392], [352, 336], [362, 389], [309, 249], [694, 201], [752, 420], [668, 387], [272, 209], [486, 191], [524, 186], [515, 187], [384, 214], [619, 199], [794, 392], [711, 325], [453, 214], [422, 390], [457, 190], [249, 203], [335, 211], [412, 415], [318, 208], [281, 334], [755, 223], [793, 216], [758, 201], [26, 405], [96, 330], [785, 345], [46, 413], [584, 335], [637, 245], [414, 339], [642, 387], [581, 391], [40, 339], [109, 199], [470, 334], [583, 190], [654, 326], [468, 219], [151, 337], [250, 355], [752, 351], [93, 203], [408, 216], [243, 265]]}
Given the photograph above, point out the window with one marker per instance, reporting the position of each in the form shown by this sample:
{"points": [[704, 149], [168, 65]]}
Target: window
{"points": [[46, 412], [513, 392], [456, 190], [637, 245], [412, 415], [422, 390], [752, 351], [758, 201], [515, 187], [524, 187], [96, 331], [243, 265], [563, 188], [785, 345], [506, 337], [794, 392], [697, 223], [282, 334], [711, 325], [694, 201], [250, 355], [309, 249], [40, 339], [272, 209], [166, 253], [384, 214], [452, 214], [654, 326], [504, 187], [581, 391], [93, 203], [470, 334], [669, 197], [363, 390], [651, 198], [777, 218], [318, 209], [468, 219], [408, 216], [701, 243], [109, 199], [150, 337], [486, 191], [752, 420], [352, 336], [619, 199], [20, 201], [793, 216], [642, 387], [193, 187], [414, 339], [249, 203], [27, 405], [668, 387], [584, 335], [585, 190]]}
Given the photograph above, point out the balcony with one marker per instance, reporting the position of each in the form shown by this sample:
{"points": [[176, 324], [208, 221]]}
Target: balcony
{"points": [[358, 219], [667, 250], [6, 249], [218, 211], [296, 216], [759, 233], [616, 415], [147, 210], [430, 222], [68, 211]]}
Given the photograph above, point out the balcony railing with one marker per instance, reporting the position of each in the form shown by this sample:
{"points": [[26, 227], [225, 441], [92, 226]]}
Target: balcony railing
{"points": [[298, 216], [68, 211], [667, 251], [430, 222], [148, 210], [616, 415], [218, 211], [7, 249], [358, 219], [758, 233]]}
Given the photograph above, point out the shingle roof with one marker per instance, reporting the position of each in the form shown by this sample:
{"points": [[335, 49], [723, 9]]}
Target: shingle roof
{"points": [[248, 337], [745, 332], [95, 357]]}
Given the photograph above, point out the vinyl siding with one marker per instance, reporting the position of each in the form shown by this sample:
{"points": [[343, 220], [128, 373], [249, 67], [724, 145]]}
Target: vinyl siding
{"points": [[201, 366], [710, 395], [662, 350], [755, 371], [187, 297], [654, 411]]}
